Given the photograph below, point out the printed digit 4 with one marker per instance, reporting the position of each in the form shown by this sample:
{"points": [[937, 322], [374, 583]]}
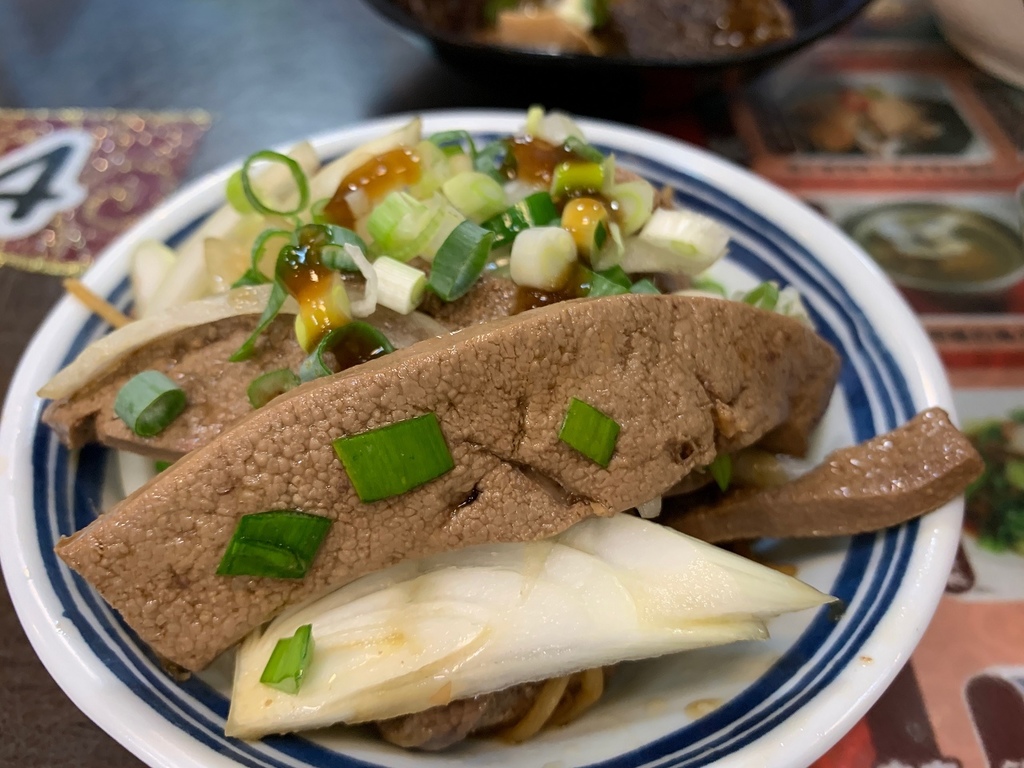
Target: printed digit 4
{"points": [[39, 180]]}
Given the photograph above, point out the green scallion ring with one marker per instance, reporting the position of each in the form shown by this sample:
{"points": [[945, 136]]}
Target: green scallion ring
{"points": [[149, 402], [267, 386], [301, 183], [353, 343]]}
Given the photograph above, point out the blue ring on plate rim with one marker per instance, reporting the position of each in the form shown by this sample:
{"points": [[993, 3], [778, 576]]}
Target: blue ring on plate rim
{"points": [[763, 249]]}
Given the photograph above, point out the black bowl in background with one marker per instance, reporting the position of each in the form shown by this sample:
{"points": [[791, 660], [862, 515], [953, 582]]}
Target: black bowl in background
{"points": [[617, 86]]}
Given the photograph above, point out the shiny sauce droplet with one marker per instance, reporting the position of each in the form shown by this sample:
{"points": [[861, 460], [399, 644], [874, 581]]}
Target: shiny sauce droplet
{"points": [[375, 178]]}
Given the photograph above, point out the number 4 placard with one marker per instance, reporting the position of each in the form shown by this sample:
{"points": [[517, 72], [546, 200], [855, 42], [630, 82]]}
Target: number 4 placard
{"points": [[39, 180]]}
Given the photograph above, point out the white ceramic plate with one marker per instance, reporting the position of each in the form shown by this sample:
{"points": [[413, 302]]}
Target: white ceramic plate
{"points": [[780, 703]]}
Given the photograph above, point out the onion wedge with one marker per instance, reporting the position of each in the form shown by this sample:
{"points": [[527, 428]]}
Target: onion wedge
{"points": [[484, 618]]}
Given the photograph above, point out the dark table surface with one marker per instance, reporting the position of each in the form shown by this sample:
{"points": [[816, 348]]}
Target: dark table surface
{"points": [[267, 71]]}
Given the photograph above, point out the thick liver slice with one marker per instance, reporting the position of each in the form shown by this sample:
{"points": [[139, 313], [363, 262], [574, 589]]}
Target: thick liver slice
{"points": [[684, 377], [885, 481]]}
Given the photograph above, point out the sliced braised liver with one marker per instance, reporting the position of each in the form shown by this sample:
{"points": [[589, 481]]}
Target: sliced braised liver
{"points": [[684, 377], [885, 481]]}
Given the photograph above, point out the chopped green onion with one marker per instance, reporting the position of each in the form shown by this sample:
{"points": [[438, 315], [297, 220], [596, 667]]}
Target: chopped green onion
{"points": [[267, 386], [460, 261], [492, 158], [301, 183], [400, 287], [721, 470], [316, 210], [435, 169], [389, 461], [351, 344], [279, 544], [402, 225], [452, 142], [149, 402], [635, 200], [160, 465], [235, 193], [610, 282], [254, 275], [542, 258], [590, 432], [644, 286], [690, 243], [584, 150], [617, 275], [534, 117], [277, 298], [708, 285], [765, 296], [476, 195], [536, 210], [569, 178], [333, 254], [289, 661]]}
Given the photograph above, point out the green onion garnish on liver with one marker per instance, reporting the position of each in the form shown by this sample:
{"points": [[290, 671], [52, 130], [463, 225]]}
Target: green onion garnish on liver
{"points": [[266, 387], [536, 210], [460, 261], [254, 275], [609, 282], [289, 661], [280, 544], [148, 403], [159, 465], [389, 461], [569, 178], [644, 286], [590, 432], [721, 470], [301, 183], [584, 150], [453, 142], [351, 344], [278, 295], [765, 296]]}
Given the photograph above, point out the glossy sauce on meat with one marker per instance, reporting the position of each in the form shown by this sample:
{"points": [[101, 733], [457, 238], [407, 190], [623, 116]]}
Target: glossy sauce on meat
{"points": [[376, 177]]}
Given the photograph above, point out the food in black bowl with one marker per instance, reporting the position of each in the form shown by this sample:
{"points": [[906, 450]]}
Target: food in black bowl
{"points": [[610, 56]]}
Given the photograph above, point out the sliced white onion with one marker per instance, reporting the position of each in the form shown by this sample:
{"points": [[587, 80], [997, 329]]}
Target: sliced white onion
{"points": [[106, 352], [365, 306], [483, 618], [151, 263], [791, 304]]}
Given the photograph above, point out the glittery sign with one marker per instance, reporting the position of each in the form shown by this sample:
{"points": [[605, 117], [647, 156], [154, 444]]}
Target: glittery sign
{"points": [[71, 180]]}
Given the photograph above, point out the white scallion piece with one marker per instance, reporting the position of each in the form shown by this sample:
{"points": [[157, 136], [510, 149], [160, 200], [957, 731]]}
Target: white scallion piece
{"points": [[552, 127], [364, 306], [476, 195], [483, 618], [542, 258], [636, 204], [676, 241], [399, 287]]}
